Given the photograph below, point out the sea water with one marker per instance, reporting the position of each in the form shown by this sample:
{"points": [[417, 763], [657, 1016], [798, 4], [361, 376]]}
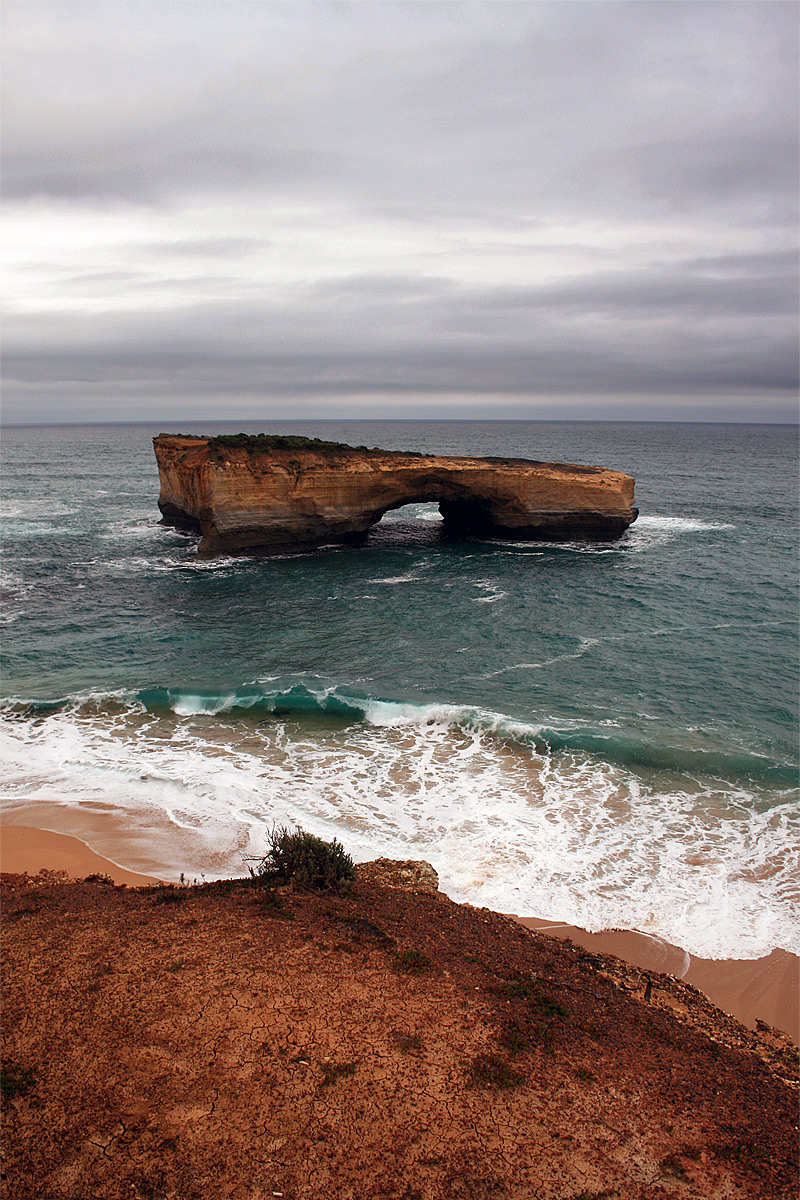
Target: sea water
{"points": [[603, 734]]}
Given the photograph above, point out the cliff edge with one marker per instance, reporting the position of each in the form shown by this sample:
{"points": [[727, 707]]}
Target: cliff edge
{"points": [[264, 492], [241, 1042]]}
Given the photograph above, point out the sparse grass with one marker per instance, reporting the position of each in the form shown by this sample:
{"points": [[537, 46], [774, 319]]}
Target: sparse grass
{"points": [[514, 1039], [16, 1081], [305, 860], [789, 1056], [584, 1075], [748, 1154], [217, 887], [176, 964], [543, 1011], [333, 1071], [360, 928], [408, 1043], [604, 1195], [594, 1032], [661, 1035], [525, 987], [489, 1070], [272, 904], [672, 1165], [413, 961], [169, 895]]}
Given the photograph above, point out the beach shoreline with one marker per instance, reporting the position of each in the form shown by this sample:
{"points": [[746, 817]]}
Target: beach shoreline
{"points": [[765, 989]]}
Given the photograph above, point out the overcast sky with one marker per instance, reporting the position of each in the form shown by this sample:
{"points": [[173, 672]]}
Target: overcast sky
{"points": [[400, 209]]}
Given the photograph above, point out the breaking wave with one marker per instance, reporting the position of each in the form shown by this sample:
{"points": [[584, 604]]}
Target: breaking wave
{"points": [[601, 826]]}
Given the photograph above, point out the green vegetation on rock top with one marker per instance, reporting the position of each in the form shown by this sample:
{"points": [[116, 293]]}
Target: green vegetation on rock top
{"points": [[264, 443]]}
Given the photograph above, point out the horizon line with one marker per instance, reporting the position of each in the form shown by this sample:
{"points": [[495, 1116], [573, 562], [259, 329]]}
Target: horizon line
{"points": [[399, 420]]}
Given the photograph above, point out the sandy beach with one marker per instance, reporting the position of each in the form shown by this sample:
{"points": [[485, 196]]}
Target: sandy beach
{"points": [[27, 850], [765, 989]]}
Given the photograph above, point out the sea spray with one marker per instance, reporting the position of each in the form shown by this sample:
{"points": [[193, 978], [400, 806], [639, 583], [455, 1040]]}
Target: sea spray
{"points": [[513, 817]]}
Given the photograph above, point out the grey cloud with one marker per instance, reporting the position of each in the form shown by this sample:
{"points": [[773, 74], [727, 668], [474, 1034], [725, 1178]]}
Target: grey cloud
{"points": [[722, 170], [667, 291], [534, 372], [496, 131], [381, 288], [222, 247], [732, 285], [472, 342], [561, 108]]}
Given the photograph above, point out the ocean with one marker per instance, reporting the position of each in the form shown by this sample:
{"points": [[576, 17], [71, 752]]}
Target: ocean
{"points": [[601, 734]]}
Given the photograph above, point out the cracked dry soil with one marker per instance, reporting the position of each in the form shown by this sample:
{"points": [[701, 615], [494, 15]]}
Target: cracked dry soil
{"points": [[206, 1042]]}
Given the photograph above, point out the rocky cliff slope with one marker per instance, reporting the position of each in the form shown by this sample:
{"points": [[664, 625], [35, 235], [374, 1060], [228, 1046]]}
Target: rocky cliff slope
{"points": [[266, 492]]}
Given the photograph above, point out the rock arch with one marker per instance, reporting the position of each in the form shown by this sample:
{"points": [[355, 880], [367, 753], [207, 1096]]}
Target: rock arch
{"points": [[274, 493]]}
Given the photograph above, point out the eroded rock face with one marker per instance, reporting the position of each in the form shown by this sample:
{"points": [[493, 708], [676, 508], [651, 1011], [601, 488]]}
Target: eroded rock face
{"points": [[409, 874], [279, 493]]}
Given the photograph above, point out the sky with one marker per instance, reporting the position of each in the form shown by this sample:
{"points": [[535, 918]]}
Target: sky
{"points": [[386, 209]]}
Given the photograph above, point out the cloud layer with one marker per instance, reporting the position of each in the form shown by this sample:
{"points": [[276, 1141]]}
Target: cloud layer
{"points": [[459, 209]]}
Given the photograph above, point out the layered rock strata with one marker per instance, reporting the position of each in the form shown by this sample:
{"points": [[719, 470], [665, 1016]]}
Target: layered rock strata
{"points": [[274, 493]]}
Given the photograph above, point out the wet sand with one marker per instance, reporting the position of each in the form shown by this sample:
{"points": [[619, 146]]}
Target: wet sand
{"points": [[765, 989]]}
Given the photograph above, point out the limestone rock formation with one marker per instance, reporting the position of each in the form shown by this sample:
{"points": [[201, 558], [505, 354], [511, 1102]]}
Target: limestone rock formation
{"points": [[408, 874], [277, 493]]}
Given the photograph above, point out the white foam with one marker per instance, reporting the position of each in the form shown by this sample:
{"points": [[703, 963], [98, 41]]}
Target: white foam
{"points": [[13, 594], [562, 836], [585, 645], [678, 524], [192, 706], [409, 577], [647, 531], [493, 592], [655, 530], [411, 512], [134, 530], [35, 508]]}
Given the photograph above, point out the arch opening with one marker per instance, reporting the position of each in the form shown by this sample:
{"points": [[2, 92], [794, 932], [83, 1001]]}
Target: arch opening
{"points": [[412, 512], [442, 500]]}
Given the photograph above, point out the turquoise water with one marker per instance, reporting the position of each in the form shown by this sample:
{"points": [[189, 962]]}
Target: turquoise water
{"points": [[606, 735]]}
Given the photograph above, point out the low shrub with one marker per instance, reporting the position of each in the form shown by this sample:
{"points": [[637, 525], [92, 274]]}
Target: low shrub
{"points": [[169, 895], [306, 860], [333, 1071], [271, 904], [525, 987], [16, 1081], [263, 443], [414, 961], [488, 1070], [514, 1039], [408, 1043]]}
